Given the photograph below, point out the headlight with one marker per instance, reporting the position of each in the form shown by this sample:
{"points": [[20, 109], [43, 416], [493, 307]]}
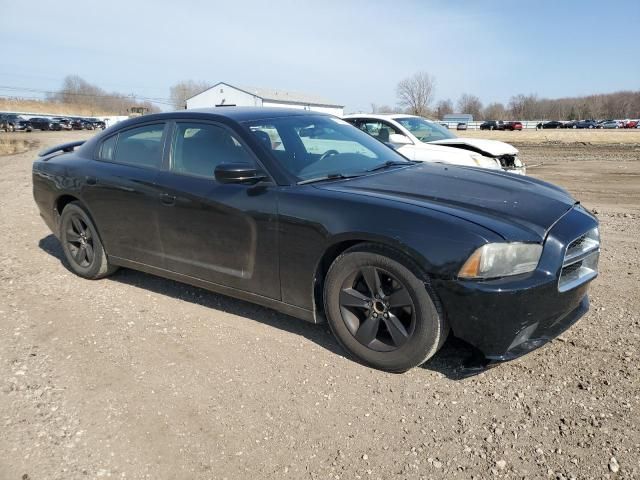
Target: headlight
{"points": [[485, 162], [501, 259]]}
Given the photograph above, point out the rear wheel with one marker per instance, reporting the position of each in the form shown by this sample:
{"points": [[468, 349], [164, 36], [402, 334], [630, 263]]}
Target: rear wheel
{"points": [[380, 311], [81, 244]]}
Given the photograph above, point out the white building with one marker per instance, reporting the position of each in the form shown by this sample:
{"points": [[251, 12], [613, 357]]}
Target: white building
{"points": [[225, 95]]}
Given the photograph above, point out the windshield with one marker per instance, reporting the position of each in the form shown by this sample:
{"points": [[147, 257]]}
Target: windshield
{"points": [[424, 130], [310, 147]]}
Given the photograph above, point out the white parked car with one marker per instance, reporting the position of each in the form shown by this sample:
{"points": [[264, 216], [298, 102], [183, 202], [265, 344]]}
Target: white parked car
{"points": [[420, 139]]}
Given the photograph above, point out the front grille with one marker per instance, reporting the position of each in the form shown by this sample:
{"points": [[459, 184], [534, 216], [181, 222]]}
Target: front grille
{"points": [[580, 261]]}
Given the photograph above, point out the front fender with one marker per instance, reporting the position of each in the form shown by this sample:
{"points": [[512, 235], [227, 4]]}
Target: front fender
{"points": [[315, 223]]}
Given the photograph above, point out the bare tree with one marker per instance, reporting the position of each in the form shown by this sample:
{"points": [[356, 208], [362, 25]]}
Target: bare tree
{"points": [[77, 92], [470, 104], [416, 93], [388, 109], [494, 111], [444, 107], [181, 91], [525, 107]]}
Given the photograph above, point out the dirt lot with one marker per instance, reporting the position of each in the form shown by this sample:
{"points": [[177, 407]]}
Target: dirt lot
{"points": [[560, 136], [139, 377]]}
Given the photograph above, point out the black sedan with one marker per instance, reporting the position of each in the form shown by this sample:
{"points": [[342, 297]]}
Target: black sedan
{"points": [[551, 124], [492, 125], [393, 253], [97, 124], [585, 124], [81, 124], [42, 123]]}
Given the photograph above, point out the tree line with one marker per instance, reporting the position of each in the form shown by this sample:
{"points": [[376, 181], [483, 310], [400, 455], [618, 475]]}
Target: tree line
{"points": [[416, 95], [75, 91]]}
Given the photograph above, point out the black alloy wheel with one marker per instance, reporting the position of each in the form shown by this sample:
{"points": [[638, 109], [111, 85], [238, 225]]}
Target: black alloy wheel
{"points": [[381, 308], [80, 241], [82, 245], [377, 309]]}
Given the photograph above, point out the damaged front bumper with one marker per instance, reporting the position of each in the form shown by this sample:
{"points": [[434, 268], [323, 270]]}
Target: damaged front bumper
{"points": [[512, 164], [507, 317]]}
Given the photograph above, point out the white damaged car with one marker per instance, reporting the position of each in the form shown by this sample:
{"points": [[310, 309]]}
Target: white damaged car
{"points": [[420, 139]]}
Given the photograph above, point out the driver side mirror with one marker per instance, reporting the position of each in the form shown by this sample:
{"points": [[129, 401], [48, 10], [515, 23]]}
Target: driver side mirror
{"points": [[238, 173], [399, 139]]}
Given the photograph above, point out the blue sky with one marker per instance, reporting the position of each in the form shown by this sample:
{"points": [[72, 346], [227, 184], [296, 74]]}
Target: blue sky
{"points": [[352, 52]]}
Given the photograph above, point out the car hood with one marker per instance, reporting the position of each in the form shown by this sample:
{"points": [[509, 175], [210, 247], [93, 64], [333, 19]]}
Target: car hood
{"points": [[491, 147], [515, 207], [432, 146]]}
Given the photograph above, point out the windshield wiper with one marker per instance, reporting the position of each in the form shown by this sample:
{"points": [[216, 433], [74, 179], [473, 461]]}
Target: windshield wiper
{"points": [[329, 176], [390, 163]]}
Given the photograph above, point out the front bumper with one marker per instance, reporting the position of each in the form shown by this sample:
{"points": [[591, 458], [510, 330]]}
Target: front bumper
{"points": [[506, 318]]}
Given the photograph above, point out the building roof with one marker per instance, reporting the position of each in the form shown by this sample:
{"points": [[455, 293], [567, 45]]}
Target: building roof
{"points": [[276, 95], [456, 116]]}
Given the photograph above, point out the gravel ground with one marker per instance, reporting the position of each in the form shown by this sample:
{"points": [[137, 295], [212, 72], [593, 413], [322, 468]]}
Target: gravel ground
{"points": [[620, 136], [139, 377]]}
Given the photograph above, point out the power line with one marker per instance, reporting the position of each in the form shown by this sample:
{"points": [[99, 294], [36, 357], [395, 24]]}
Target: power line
{"points": [[111, 86], [163, 101]]}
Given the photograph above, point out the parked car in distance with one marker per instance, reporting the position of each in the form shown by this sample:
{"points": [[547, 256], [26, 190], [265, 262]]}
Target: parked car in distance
{"points": [[421, 139], [42, 123], [81, 124], [14, 123], [609, 124], [97, 124], [585, 124], [512, 126], [492, 125], [550, 124], [393, 253], [461, 126], [630, 124], [65, 123]]}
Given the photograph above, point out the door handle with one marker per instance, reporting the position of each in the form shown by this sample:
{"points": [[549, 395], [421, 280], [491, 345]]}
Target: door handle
{"points": [[167, 199], [91, 180]]}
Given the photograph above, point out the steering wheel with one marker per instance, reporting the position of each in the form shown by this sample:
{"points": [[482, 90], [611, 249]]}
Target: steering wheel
{"points": [[328, 153]]}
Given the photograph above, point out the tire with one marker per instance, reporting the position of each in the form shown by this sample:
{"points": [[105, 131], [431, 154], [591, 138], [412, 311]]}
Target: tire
{"points": [[396, 331], [82, 245]]}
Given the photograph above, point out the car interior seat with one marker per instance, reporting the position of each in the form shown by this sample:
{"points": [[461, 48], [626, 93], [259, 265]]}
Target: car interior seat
{"points": [[264, 138], [383, 134]]}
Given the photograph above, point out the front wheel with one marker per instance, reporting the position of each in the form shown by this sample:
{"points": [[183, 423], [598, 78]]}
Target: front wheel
{"points": [[380, 311], [81, 244]]}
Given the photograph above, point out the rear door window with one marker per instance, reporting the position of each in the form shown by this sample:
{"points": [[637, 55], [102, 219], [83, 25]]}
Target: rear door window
{"points": [[141, 147], [107, 148]]}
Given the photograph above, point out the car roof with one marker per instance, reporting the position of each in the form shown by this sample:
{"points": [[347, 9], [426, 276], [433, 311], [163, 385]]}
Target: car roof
{"points": [[238, 114], [241, 114], [383, 116]]}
